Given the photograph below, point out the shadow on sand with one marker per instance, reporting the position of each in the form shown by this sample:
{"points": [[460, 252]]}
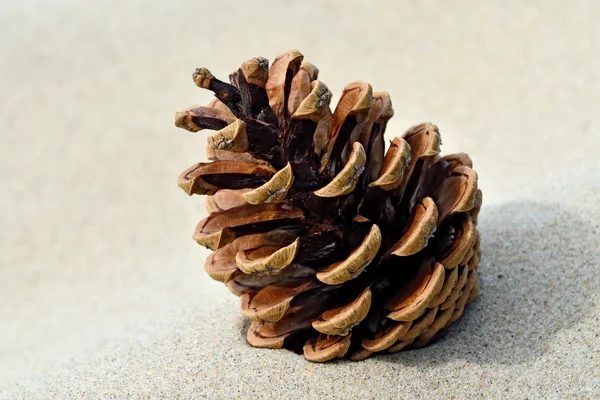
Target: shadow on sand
{"points": [[537, 278]]}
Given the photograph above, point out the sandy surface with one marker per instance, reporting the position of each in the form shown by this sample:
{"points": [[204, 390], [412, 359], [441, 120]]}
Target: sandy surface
{"points": [[102, 290]]}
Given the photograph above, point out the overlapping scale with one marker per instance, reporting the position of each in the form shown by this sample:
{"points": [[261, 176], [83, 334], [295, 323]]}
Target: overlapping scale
{"points": [[336, 247]]}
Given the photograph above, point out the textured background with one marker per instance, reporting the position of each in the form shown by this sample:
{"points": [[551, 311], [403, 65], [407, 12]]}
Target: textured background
{"points": [[102, 291]]}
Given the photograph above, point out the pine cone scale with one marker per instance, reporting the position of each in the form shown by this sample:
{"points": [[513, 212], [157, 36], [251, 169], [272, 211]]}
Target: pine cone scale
{"points": [[386, 336], [423, 289], [356, 261], [340, 320]]}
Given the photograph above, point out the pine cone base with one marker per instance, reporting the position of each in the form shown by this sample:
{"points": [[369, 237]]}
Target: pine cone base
{"points": [[336, 247]]}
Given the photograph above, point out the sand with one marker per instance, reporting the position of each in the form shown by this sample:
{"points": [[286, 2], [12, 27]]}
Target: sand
{"points": [[103, 291]]}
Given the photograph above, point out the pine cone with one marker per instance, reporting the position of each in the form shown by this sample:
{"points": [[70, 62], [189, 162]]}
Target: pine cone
{"points": [[334, 249]]}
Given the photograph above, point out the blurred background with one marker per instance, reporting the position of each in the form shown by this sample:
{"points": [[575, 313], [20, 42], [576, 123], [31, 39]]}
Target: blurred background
{"points": [[95, 235]]}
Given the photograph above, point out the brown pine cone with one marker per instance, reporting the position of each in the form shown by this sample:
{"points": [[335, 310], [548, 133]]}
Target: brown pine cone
{"points": [[334, 249]]}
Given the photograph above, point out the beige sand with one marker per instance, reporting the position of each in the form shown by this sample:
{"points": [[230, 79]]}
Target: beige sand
{"points": [[103, 292]]}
